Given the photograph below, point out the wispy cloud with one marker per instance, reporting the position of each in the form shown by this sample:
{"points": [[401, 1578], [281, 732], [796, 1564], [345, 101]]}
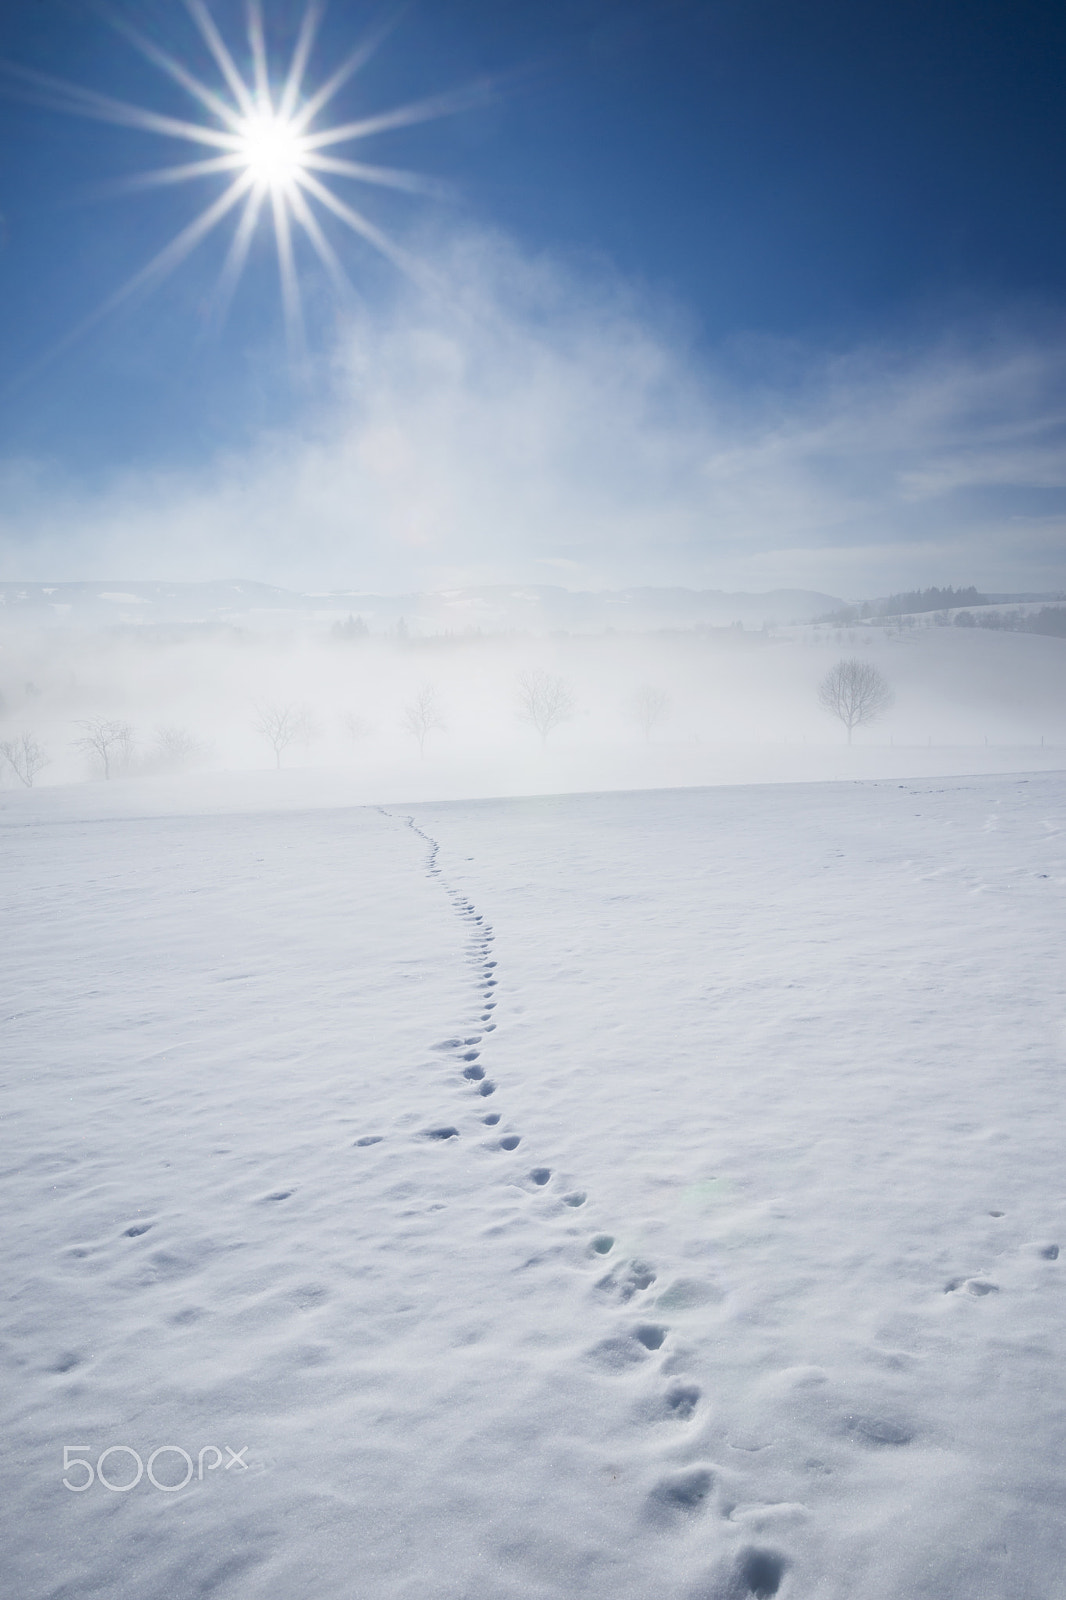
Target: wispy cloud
{"points": [[532, 422]]}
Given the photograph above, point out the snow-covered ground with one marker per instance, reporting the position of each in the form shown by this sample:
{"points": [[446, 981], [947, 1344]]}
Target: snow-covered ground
{"points": [[619, 1195]]}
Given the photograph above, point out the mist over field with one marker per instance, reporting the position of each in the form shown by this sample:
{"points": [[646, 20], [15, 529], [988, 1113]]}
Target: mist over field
{"points": [[640, 709]]}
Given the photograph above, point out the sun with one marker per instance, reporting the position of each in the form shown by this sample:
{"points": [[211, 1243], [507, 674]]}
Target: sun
{"points": [[263, 138], [272, 151]]}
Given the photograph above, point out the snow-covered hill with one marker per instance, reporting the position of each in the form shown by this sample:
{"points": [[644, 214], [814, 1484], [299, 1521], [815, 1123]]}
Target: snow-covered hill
{"points": [[604, 1196]]}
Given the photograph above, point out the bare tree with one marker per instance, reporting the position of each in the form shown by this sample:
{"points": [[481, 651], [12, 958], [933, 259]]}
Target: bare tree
{"points": [[282, 725], [649, 708], [856, 692], [355, 726], [25, 757], [544, 701], [423, 716], [176, 749], [107, 741]]}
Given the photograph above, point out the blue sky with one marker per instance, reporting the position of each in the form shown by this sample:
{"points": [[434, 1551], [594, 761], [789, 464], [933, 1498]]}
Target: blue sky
{"points": [[733, 294]]}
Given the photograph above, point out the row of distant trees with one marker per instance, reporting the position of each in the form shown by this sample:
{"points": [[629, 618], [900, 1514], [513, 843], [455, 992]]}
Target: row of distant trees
{"points": [[1049, 620], [907, 603], [853, 691], [111, 745], [543, 701]]}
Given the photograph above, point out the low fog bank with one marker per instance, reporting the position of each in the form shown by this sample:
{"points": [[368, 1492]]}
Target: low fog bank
{"points": [[309, 714]]}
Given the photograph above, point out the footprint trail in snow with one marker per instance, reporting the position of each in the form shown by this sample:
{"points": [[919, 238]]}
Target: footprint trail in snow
{"points": [[679, 1495]]}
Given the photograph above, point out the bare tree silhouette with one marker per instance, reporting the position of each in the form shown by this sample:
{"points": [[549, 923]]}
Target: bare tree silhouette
{"points": [[283, 724], [423, 716], [649, 708], [24, 756], [110, 741], [856, 692], [544, 701], [176, 749]]}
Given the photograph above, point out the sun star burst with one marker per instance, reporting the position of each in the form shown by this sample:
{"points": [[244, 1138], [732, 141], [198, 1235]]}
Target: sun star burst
{"points": [[272, 151], [263, 137]]}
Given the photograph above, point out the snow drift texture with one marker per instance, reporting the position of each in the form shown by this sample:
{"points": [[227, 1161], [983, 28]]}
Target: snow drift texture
{"points": [[642, 1194]]}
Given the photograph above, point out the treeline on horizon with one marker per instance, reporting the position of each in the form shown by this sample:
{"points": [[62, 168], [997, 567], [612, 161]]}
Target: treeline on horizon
{"points": [[907, 603], [953, 606], [1049, 620]]}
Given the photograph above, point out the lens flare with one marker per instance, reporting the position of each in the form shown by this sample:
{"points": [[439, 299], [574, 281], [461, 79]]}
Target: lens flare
{"points": [[272, 151], [263, 139]]}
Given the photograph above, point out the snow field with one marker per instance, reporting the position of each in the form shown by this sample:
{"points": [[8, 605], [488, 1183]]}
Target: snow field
{"points": [[751, 1289]]}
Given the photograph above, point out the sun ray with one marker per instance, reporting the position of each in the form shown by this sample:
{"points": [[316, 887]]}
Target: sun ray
{"points": [[257, 45], [174, 69], [388, 177], [159, 268], [362, 226], [290, 285], [162, 177], [305, 39], [236, 256], [217, 46], [69, 98], [443, 105], [322, 247], [183, 243], [348, 67]]}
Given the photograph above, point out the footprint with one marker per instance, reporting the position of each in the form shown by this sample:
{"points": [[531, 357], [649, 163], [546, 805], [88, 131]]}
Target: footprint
{"points": [[576, 1199], [475, 1074], [440, 1133], [469, 1055], [682, 1400], [627, 1279], [66, 1362], [540, 1175], [682, 1492], [602, 1244], [492, 1119], [759, 1573], [370, 1138], [650, 1335], [511, 1142], [974, 1286], [1049, 1252], [142, 1227], [486, 1088], [616, 1354], [279, 1194], [877, 1430]]}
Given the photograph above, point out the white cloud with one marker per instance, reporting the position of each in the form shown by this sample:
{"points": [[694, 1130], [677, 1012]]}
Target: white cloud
{"points": [[536, 423]]}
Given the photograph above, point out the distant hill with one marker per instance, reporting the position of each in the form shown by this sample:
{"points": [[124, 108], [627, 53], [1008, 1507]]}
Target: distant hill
{"points": [[491, 609]]}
